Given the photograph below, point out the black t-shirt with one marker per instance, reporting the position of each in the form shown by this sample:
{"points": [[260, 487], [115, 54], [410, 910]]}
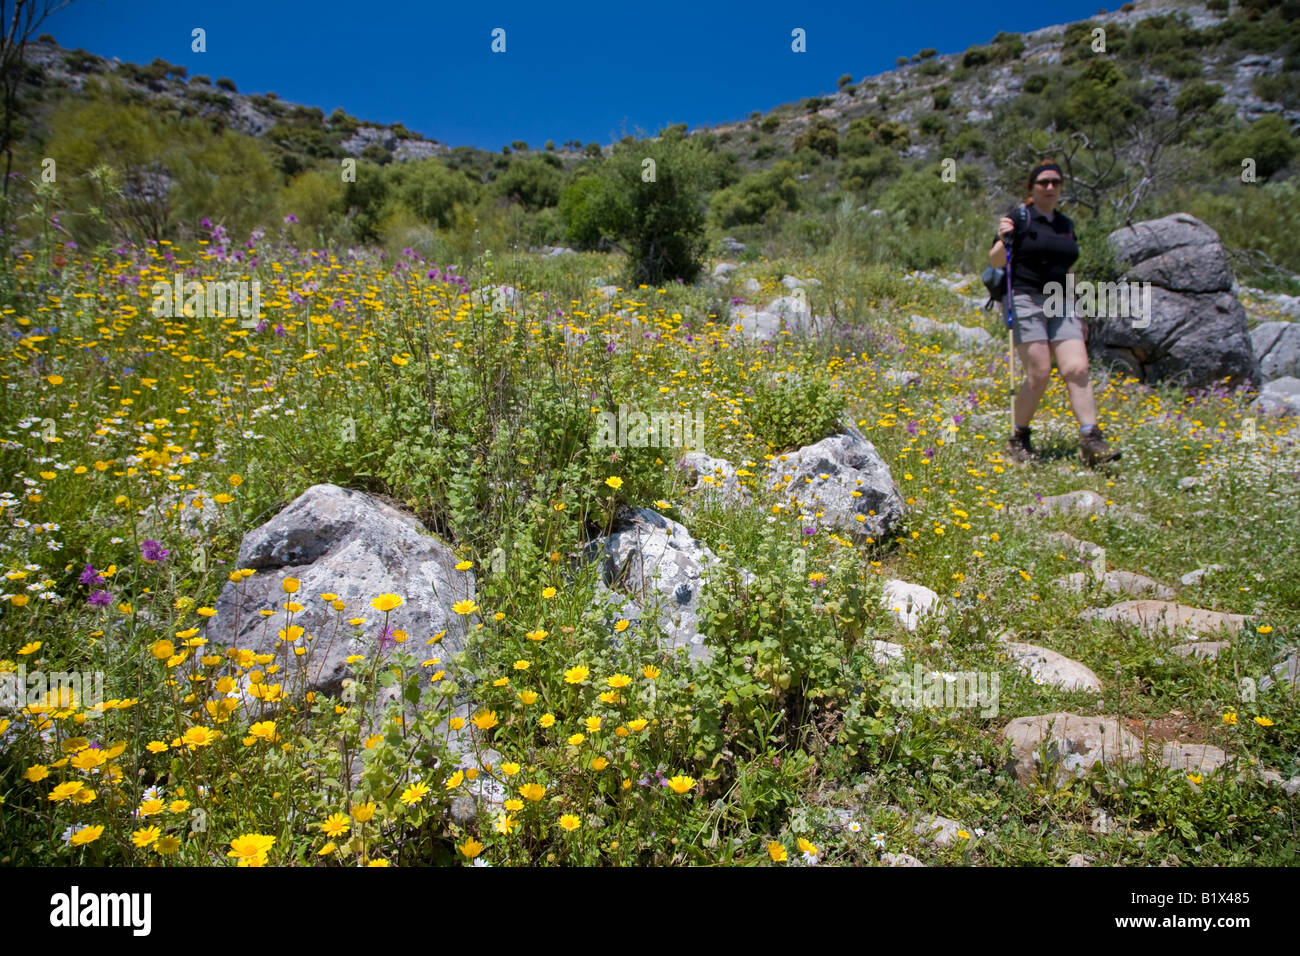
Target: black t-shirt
{"points": [[1041, 251]]}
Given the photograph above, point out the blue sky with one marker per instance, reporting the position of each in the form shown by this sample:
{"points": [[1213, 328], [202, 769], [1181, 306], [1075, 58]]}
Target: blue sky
{"points": [[587, 72]]}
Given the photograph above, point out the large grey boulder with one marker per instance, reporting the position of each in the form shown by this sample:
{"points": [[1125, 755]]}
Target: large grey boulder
{"points": [[1279, 397], [845, 479], [347, 543], [1277, 345], [654, 560], [1196, 331], [1179, 253]]}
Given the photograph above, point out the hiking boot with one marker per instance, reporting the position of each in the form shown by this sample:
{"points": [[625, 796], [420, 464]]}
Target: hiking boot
{"points": [[1018, 446], [1094, 450]]}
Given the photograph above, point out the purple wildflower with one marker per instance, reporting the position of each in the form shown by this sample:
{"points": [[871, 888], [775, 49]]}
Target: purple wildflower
{"points": [[290, 218], [91, 576], [152, 551], [100, 599]]}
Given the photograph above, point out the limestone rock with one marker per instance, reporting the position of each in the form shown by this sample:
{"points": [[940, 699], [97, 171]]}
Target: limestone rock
{"points": [[1155, 616], [333, 540]]}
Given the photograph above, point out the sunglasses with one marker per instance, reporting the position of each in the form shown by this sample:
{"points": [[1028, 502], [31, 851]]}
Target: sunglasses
{"points": [[1047, 182]]}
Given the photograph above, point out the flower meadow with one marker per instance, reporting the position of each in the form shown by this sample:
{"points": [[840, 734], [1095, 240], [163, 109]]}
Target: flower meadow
{"points": [[137, 450]]}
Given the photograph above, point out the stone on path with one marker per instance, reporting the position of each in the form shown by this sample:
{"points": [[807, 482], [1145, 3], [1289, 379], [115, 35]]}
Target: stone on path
{"points": [[1205, 651], [1049, 667], [1074, 742], [1153, 617], [907, 602], [1114, 582]]}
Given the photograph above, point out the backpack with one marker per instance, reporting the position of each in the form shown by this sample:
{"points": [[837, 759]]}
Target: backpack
{"points": [[995, 279]]}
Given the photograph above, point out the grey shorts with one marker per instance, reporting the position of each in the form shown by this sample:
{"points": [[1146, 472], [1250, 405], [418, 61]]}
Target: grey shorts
{"points": [[1033, 325]]}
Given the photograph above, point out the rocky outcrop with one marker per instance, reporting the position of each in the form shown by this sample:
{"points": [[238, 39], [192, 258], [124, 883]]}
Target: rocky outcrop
{"points": [[1196, 331], [347, 543]]}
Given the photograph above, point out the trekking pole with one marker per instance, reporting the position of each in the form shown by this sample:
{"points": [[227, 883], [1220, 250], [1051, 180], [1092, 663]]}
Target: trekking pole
{"points": [[1011, 349]]}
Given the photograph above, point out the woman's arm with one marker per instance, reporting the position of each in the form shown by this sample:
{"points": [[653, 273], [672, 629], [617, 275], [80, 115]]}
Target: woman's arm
{"points": [[998, 255]]}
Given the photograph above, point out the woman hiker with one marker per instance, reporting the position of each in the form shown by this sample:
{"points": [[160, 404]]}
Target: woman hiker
{"points": [[1043, 247]]}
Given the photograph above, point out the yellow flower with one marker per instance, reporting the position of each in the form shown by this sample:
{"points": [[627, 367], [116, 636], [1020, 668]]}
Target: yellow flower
{"points": [[327, 849], [199, 737], [530, 791], [1194, 777], [167, 845], [235, 480], [162, 649], [455, 780], [529, 697], [485, 719], [806, 847], [146, 836], [336, 825], [378, 863], [637, 725], [64, 790], [650, 672], [86, 835], [263, 730], [251, 848], [464, 607], [178, 806], [373, 741], [681, 783], [622, 625], [963, 834], [576, 675], [610, 696], [592, 724], [548, 593], [576, 739], [618, 680], [470, 848], [599, 763], [363, 812], [20, 600], [504, 824], [456, 723], [415, 792], [150, 807], [522, 665], [290, 585], [614, 482], [514, 805], [464, 565], [1263, 721], [569, 822], [537, 635], [386, 602], [1230, 719], [37, 772], [777, 852], [30, 648], [547, 720]]}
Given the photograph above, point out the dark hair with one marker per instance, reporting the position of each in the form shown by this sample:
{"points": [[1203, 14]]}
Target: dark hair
{"points": [[1033, 174]]}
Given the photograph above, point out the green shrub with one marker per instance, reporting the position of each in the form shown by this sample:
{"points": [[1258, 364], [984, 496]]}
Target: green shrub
{"points": [[225, 83], [770, 124], [1035, 83], [794, 411], [942, 98], [976, 56], [933, 68]]}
